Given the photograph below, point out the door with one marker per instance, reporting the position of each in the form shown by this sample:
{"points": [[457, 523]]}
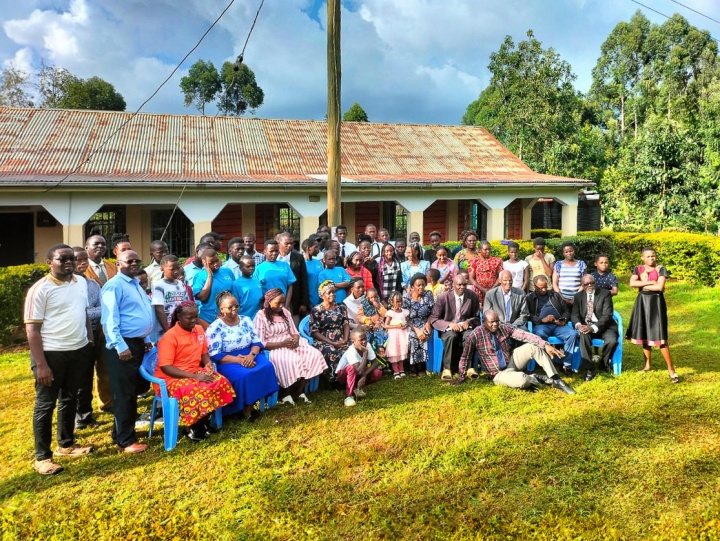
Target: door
{"points": [[17, 240]]}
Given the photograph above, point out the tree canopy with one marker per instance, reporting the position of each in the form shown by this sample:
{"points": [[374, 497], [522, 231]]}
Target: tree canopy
{"points": [[355, 114]]}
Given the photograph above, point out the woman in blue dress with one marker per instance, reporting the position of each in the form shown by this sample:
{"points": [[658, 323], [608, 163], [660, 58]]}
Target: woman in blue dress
{"points": [[234, 345]]}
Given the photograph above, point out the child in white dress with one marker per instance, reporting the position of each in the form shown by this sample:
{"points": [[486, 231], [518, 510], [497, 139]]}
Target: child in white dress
{"points": [[396, 347]]}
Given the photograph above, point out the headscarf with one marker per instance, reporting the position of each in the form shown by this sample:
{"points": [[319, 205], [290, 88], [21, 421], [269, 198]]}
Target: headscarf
{"points": [[270, 295], [325, 286], [178, 310]]}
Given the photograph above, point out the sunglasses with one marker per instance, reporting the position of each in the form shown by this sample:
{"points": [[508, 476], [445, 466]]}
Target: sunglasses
{"points": [[64, 258]]}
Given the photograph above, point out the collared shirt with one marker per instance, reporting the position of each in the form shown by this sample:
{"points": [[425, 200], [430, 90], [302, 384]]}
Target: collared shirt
{"points": [[154, 272], [126, 311], [234, 267], [259, 257], [285, 258]]}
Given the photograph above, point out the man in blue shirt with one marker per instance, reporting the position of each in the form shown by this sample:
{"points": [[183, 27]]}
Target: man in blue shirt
{"points": [[127, 320], [273, 273], [208, 283], [247, 290]]}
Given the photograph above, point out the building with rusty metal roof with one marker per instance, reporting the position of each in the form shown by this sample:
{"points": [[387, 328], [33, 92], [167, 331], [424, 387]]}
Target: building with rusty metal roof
{"points": [[65, 174]]}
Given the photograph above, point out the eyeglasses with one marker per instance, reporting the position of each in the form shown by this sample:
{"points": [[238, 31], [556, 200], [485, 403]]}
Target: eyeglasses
{"points": [[64, 258], [589, 284], [130, 261]]}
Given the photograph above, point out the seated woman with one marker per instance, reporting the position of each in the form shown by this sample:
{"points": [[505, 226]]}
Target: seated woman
{"points": [[354, 300], [184, 364], [234, 344], [330, 327], [295, 361], [371, 314]]}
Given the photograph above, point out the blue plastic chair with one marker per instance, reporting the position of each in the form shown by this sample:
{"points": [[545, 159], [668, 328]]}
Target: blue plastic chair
{"points": [[304, 328], [170, 406], [555, 341], [598, 343]]}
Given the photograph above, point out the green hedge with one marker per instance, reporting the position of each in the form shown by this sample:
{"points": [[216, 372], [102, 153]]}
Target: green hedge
{"points": [[14, 283], [546, 233]]}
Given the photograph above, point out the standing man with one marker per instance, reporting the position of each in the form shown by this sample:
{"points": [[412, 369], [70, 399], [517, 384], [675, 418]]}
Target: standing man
{"points": [[100, 270], [346, 248], [236, 248], [592, 317], [435, 239], [541, 264], [158, 250], [60, 339], [454, 316], [375, 246], [127, 319], [250, 240], [301, 300]]}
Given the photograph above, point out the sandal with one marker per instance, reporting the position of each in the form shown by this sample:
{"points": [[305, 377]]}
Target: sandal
{"points": [[74, 450], [674, 378], [305, 398], [47, 467]]}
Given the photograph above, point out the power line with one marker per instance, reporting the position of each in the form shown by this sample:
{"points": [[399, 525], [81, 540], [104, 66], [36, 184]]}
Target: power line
{"points": [[132, 116], [666, 16], [695, 11]]}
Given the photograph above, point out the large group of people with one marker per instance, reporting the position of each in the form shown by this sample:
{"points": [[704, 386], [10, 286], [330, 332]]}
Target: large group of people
{"points": [[227, 333]]}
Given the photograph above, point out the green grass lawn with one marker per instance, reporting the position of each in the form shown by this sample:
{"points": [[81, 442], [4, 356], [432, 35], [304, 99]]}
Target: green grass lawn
{"points": [[629, 457]]}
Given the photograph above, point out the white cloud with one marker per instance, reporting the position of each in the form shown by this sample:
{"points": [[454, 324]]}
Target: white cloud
{"points": [[22, 60]]}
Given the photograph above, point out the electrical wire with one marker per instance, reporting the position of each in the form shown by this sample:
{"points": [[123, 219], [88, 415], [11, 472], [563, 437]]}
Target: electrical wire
{"points": [[661, 13], [695, 11], [133, 115]]}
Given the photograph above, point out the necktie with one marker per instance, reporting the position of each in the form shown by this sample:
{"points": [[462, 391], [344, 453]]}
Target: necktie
{"points": [[458, 307], [507, 309], [498, 351], [101, 273], [589, 311], [342, 251]]}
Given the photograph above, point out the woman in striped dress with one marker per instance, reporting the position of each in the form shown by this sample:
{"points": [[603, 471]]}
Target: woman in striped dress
{"points": [[568, 273], [295, 360]]}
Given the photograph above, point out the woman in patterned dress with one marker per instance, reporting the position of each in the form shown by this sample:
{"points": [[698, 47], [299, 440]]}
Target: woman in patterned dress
{"points": [[484, 270], [234, 344], [419, 303], [295, 361], [372, 314], [330, 327], [469, 251], [184, 364]]}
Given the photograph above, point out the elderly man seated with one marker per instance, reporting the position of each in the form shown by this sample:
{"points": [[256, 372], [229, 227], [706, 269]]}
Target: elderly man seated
{"points": [[490, 342], [592, 317], [549, 314], [507, 301]]}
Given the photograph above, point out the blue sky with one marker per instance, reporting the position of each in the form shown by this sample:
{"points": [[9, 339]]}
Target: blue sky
{"points": [[412, 61]]}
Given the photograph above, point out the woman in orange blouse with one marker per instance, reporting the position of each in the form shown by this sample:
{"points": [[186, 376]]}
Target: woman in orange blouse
{"points": [[184, 364]]}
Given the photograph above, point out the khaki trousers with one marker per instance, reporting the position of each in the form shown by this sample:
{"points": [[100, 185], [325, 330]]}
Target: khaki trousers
{"points": [[513, 376]]}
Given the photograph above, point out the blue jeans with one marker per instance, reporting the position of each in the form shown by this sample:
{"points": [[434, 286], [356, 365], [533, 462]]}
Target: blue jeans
{"points": [[562, 332]]}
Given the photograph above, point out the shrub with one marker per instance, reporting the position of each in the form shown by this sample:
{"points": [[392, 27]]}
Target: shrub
{"points": [[586, 248], [546, 233], [14, 283]]}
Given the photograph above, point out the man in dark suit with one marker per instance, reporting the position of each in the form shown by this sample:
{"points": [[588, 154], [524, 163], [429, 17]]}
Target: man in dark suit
{"points": [[300, 302], [507, 302], [549, 314], [592, 317], [454, 316]]}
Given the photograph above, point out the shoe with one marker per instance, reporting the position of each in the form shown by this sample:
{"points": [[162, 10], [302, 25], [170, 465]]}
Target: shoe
{"points": [[562, 386], [567, 370], [349, 402], [288, 400], [472, 373], [197, 432], [74, 450], [210, 428], [674, 378], [543, 378], [422, 374], [135, 448], [254, 416], [305, 398], [596, 359], [589, 375], [533, 383], [47, 467], [402, 374], [397, 376], [360, 393], [446, 375]]}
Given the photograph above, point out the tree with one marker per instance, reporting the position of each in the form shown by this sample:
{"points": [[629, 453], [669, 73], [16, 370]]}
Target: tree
{"points": [[93, 93], [52, 82], [355, 114], [530, 102], [14, 88], [240, 91], [201, 85]]}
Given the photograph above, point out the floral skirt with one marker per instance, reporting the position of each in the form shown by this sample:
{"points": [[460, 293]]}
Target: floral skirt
{"points": [[197, 398]]}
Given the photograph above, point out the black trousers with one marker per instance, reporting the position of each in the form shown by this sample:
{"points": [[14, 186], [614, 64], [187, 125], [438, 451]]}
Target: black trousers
{"points": [[124, 377], [68, 368], [609, 337], [85, 389], [452, 348]]}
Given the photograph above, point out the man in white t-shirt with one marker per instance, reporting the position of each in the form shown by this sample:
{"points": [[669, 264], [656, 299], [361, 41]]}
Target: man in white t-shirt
{"points": [[61, 340], [168, 292], [353, 369]]}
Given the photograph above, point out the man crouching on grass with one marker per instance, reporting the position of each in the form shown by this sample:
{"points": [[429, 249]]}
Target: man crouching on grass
{"points": [[353, 369], [490, 341]]}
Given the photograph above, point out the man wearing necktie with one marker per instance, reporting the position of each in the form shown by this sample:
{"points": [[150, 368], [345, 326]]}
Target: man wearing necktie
{"points": [[509, 302], [346, 248], [454, 316], [592, 317], [490, 342]]}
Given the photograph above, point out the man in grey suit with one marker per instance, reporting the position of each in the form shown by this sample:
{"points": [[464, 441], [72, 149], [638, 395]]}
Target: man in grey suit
{"points": [[454, 316], [507, 302], [592, 317]]}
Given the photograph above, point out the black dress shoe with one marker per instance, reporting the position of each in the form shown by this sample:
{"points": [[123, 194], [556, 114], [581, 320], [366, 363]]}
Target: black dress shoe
{"points": [[210, 428], [589, 375], [558, 383], [543, 378], [197, 432], [567, 370], [533, 383]]}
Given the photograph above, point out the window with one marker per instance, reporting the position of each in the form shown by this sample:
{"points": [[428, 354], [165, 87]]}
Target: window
{"points": [[274, 219], [476, 219], [180, 231], [395, 219], [110, 219]]}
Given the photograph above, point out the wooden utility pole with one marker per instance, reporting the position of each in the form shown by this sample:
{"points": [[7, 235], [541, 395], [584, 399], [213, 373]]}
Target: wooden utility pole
{"points": [[333, 112]]}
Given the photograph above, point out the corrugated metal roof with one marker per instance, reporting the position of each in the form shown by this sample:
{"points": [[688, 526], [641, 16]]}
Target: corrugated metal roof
{"points": [[38, 146]]}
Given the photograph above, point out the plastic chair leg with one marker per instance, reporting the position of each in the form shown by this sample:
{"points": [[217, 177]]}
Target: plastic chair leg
{"points": [[216, 418], [171, 417], [312, 385], [153, 413]]}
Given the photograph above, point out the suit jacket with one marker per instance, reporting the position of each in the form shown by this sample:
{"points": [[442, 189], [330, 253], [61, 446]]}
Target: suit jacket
{"points": [[110, 271], [555, 298], [602, 308], [518, 306], [444, 310], [300, 287]]}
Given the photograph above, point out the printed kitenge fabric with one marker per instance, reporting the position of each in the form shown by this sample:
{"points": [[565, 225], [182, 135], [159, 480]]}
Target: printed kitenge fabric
{"points": [[418, 314], [198, 399]]}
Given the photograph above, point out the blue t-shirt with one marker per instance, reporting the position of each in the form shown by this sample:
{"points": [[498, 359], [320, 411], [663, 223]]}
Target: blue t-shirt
{"points": [[249, 294], [222, 280], [272, 275], [314, 268], [337, 275]]}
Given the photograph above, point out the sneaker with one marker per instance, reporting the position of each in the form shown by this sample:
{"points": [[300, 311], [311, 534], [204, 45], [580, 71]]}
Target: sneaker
{"points": [[402, 374], [349, 402], [397, 376], [74, 450], [47, 467], [359, 393], [288, 400]]}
